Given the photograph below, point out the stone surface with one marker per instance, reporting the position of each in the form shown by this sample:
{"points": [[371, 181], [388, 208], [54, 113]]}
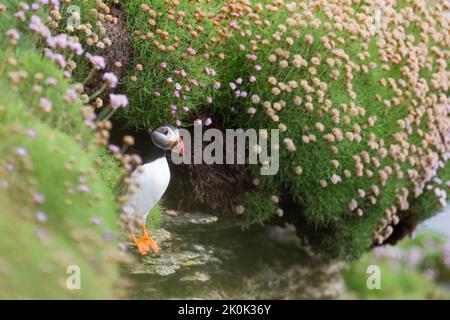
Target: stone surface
{"points": [[203, 257]]}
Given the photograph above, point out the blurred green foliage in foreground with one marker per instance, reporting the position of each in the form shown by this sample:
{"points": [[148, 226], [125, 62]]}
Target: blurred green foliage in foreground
{"points": [[415, 269], [56, 209]]}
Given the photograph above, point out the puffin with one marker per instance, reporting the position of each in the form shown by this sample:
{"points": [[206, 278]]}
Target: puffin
{"points": [[148, 183]]}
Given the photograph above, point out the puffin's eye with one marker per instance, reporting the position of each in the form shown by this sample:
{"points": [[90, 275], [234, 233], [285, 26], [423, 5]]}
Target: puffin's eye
{"points": [[166, 132]]}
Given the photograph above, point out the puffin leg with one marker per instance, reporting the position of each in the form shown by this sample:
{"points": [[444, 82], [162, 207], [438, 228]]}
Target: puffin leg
{"points": [[149, 240], [142, 244]]}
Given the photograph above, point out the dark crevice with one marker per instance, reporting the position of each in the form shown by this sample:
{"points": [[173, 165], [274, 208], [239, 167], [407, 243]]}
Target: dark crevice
{"points": [[403, 229], [295, 214]]}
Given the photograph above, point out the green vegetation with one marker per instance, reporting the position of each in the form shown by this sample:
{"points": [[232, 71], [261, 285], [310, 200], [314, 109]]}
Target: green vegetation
{"points": [[361, 103], [362, 106], [56, 211], [416, 269]]}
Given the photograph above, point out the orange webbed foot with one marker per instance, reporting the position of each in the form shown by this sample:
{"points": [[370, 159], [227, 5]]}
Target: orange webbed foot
{"points": [[145, 243]]}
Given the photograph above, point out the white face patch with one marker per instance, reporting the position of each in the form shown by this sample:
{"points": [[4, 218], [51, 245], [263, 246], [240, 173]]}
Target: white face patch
{"points": [[165, 137]]}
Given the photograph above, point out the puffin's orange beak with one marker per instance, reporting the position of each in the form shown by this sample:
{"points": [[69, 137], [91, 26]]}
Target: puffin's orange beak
{"points": [[171, 143], [180, 146]]}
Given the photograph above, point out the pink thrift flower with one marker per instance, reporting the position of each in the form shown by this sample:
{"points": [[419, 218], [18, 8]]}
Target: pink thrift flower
{"points": [[24, 6], [288, 142], [210, 72], [13, 35], [113, 148], [9, 167], [38, 27], [31, 133], [83, 188], [60, 60], [97, 62], [41, 216], [118, 101], [70, 94], [20, 15], [111, 79], [252, 57], [234, 25], [45, 104], [21, 151], [96, 220], [38, 198], [51, 82]]}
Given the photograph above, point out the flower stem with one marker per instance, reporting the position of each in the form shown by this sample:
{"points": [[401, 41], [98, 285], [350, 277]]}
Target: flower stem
{"points": [[106, 113], [98, 92], [89, 77], [5, 62]]}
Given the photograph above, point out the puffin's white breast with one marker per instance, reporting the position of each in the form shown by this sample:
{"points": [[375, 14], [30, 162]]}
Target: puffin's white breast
{"points": [[148, 184]]}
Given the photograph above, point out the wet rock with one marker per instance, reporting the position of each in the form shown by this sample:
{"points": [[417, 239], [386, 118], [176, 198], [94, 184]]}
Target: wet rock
{"points": [[171, 213], [293, 282], [284, 236], [168, 262], [221, 261], [161, 235], [197, 276], [205, 220], [176, 218]]}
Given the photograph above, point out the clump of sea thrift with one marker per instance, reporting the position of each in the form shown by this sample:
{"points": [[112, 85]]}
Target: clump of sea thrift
{"points": [[365, 132]]}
